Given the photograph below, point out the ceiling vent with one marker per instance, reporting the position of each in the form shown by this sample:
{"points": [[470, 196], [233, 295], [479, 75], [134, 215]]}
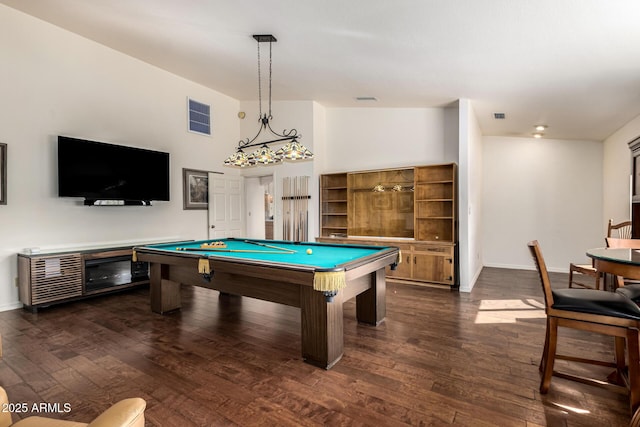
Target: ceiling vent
{"points": [[366, 98], [499, 116], [199, 117]]}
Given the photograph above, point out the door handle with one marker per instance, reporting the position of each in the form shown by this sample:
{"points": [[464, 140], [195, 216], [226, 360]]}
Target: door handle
{"points": [[213, 226]]}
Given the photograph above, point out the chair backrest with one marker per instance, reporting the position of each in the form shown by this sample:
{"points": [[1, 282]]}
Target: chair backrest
{"points": [[622, 230], [622, 243], [536, 253]]}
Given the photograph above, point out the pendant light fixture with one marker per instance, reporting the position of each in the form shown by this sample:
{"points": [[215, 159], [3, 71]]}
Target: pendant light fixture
{"points": [[265, 155]]}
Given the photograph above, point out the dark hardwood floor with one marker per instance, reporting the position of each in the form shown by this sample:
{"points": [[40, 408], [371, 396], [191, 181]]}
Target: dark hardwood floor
{"points": [[440, 358]]}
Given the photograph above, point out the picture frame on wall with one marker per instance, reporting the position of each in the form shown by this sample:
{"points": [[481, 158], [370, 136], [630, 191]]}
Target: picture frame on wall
{"points": [[195, 189], [3, 174]]}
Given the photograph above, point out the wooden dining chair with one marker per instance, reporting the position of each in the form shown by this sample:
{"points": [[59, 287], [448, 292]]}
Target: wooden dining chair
{"points": [[607, 313], [582, 275], [578, 273], [622, 230]]}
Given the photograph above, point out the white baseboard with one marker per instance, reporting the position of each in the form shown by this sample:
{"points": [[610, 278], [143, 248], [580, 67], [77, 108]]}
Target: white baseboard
{"points": [[526, 267], [11, 306]]}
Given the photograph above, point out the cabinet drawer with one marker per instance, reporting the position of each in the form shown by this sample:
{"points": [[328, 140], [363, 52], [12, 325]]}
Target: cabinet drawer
{"points": [[434, 249]]}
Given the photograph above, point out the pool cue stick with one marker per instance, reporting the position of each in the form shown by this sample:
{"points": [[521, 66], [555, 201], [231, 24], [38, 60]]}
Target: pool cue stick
{"points": [[304, 206], [270, 246], [305, 209], [292, 219], [299, 209], [288, 201], [299, 179], [284, 209], [295, 208], [285, 190], [254, 251]]}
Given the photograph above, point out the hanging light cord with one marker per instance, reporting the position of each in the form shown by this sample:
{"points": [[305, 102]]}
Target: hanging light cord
{"points": [[270, 73], [264, 118], [260, 81], [259, 86]]}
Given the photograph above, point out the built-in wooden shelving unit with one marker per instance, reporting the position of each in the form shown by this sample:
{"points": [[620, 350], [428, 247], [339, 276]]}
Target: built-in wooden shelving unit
{"points": [[413, 208]]}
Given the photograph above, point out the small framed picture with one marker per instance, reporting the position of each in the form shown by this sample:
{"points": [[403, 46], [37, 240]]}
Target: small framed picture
{"points": [[3, 174], [195, 189]]}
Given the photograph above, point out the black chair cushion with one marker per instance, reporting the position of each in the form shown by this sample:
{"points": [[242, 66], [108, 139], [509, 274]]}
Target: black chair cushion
{"points": [[630, 291], [596, 302]]}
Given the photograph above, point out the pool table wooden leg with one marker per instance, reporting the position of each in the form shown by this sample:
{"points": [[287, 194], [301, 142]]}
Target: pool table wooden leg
{"points": [[371, 304], [165, 293], [322, 328]]}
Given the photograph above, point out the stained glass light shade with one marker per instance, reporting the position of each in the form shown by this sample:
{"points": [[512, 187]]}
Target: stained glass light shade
{"points": [[239, 159], [293, 150], [265, 156]]}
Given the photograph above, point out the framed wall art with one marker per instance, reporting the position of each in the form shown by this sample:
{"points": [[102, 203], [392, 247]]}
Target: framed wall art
{"points": [[195, 189]]}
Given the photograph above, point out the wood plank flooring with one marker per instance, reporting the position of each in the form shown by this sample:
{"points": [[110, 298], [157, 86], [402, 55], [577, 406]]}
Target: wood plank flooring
{"points": [[440, 358]]}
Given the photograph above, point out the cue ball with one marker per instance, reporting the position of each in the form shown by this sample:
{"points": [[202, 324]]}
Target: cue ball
{"points": [[309, 251]]}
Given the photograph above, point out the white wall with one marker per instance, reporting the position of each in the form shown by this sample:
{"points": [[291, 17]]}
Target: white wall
{"points": [[470, 205], [549, 190], [376, 138], [617, 172], [55, 82]]}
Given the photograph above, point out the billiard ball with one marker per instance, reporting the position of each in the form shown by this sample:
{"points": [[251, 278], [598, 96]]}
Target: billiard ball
{"points": [[309, 251]]}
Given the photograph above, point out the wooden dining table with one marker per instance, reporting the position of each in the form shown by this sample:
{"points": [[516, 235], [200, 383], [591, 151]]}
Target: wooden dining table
{"points": [[620, 262]]}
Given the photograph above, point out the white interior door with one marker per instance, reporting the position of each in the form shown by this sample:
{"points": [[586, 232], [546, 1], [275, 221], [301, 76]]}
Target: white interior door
{"points": [[226, 206]]}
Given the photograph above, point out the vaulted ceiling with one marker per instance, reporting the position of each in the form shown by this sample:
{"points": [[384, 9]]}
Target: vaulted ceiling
{"points": [[570, 64]]}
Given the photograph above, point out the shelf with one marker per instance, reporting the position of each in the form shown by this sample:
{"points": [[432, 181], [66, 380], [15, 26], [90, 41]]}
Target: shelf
{"points": [[445, 181]]}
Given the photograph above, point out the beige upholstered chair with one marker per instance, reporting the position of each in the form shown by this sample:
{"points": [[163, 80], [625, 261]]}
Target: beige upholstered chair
{"points": [[126, 413], [579, 274]]}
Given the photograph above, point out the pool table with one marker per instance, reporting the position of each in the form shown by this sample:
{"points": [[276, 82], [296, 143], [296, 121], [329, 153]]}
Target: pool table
{"points": [[316, 277]]}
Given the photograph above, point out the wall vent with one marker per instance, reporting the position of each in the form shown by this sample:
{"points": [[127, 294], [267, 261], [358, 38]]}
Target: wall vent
{"points": [[499, 116], [199, 117]]}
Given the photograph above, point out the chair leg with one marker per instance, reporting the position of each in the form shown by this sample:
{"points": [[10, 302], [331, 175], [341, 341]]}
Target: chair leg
{"points": [[633, 348], [597, 281], [570, 276], [619, 353], [543, 359], [617, 376], [549, 354]]}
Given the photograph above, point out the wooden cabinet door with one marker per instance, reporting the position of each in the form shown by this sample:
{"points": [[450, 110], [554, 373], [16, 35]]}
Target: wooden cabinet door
{"points": [[433, 268], [403, 270]]}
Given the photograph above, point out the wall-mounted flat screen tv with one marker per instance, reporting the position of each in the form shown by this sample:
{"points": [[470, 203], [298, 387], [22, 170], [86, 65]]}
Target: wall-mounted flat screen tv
{"points": [[101, 171]]}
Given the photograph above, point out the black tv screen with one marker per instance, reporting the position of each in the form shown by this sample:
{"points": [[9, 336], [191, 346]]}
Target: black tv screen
{"points": [[100, 171]]}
